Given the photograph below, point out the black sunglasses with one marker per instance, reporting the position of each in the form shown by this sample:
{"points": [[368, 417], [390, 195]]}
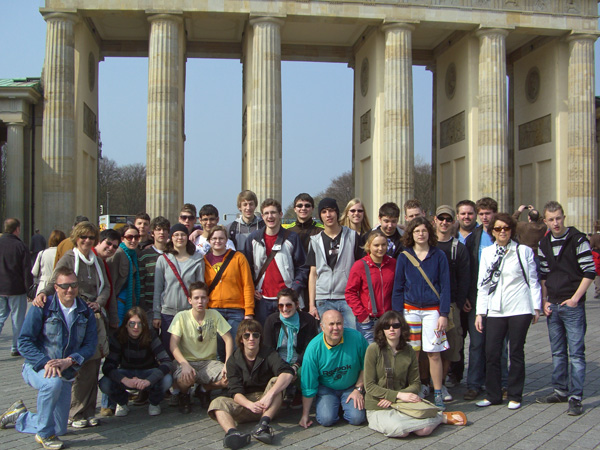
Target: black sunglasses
{"points": [[395, 326]]}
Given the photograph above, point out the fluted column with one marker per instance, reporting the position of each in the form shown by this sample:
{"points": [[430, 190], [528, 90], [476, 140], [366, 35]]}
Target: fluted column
{"points": [[582, 195], [492, 134], [265, 117], [163, 175], [58, 130], [397, 162], [15, 172]]}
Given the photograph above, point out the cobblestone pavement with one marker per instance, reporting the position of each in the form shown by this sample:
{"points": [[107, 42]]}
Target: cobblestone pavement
{"points": [[495, 427]]}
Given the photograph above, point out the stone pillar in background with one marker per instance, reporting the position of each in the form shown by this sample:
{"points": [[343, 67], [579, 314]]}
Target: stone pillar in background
{"points": [[492, 172], [58, 131], [582, 209], [15, 172], [265, 118], [397, 160], [163, 176]]}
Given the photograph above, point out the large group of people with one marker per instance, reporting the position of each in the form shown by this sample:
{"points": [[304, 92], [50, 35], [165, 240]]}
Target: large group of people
{"points": [[366, 323]]}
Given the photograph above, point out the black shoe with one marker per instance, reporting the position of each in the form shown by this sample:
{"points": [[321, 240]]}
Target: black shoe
{"points": [[471, 394], [552, 398], [575, 407], [263, 432], [15, 353], [185, 404], [141, 398], [234, 440]]}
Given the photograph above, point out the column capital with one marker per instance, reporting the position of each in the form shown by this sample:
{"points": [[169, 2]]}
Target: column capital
{"points": [[583, 36], [481, 32], [61, 16], [16, 124], [394, 26], [266, 19], [173, 17]]}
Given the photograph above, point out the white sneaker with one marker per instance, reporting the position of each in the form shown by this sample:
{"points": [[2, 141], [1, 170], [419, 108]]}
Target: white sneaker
{"points": [[446, 395], [122, 410], [424, 391], [154, 410], [514, 405], [82, 423]]}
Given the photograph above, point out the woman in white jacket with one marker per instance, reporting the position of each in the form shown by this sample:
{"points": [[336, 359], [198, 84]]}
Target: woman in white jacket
{"points": [[44, 263], [509, 299]]}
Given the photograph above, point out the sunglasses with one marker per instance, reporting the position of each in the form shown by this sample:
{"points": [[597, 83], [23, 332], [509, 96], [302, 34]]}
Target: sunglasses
{"points": [[114, 246], [445, 219], [130, 237], [283, 306], [133, 324], [255, 335], [200, 337], [499, 229], [395, 326], [66, 286], [186, 218], [304, 205], [355, 211], [86, 238]]}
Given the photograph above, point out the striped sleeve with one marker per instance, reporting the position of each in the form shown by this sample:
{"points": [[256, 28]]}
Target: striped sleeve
{"points": [[585, 258]]}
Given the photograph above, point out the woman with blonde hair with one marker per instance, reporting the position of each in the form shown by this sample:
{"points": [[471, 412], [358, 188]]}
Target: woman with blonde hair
{"points": [[355, 217]]}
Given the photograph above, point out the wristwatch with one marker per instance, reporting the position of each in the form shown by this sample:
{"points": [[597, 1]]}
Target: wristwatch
{"points": [[73, 362], [360, 389]]}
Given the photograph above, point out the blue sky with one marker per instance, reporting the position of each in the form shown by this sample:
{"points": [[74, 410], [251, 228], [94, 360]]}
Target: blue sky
{"points": [[317, 113]]}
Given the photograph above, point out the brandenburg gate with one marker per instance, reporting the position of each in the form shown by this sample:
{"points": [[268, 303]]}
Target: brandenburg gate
{"points": [[513, 94]]}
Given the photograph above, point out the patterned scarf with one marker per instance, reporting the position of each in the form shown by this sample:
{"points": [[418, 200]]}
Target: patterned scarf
{"points": [[89, 262], [129, 288], [492, 276], [293, 326]]}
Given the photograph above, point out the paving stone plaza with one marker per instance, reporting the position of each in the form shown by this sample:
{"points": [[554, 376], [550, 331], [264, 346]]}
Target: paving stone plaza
{"points": [[533, 426]]}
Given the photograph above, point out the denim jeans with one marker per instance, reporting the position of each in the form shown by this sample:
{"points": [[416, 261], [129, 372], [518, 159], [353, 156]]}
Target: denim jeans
{"points": [[476, 369], [165, 336], [263, 308], [16, 306], [341, 306], [117, 391], [233, 316], [566, 330], [367, 329], [53, 402], [328, 406]]}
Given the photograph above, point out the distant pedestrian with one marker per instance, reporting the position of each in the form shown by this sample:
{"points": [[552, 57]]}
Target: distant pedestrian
{"points": [[37, 244]]}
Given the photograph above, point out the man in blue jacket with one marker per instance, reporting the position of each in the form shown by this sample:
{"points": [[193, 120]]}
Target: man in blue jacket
{"points": [[55, 341]]}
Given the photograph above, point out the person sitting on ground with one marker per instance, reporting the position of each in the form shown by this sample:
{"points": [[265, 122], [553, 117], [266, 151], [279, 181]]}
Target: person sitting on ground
{"points": [[392, 384], [194, 347], [137, 360], [257, 379]]}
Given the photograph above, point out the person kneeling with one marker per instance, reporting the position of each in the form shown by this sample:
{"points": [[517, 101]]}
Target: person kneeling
{"points": [[257, 380], [137, 360], [392, 382]]}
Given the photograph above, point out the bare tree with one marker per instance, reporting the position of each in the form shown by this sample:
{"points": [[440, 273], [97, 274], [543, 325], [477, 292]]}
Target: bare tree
{"points": [[125, 185], [423, 185]]}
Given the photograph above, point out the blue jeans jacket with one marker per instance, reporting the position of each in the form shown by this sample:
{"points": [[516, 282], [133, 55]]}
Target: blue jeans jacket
{"points": [[45, 336]]}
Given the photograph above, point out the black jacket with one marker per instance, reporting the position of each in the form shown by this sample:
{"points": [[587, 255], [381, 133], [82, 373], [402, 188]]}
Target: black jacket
{"points": [[15, 266], [473, 241], [309, 328], [268, 364], [460, 273]]}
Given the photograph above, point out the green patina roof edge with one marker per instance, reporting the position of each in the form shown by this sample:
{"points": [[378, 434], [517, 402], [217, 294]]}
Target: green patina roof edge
{"points": [[29, 82]]}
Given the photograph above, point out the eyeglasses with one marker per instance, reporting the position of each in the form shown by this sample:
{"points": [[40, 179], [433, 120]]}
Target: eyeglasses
{"points": [[133, 324], [255, 335], [130, 237], [499, 229], [185, 218], [86, 238], [395, 326], [66, 286], [304, 205], [357, 211], [200, 337], [445, 219], [283, 306]]}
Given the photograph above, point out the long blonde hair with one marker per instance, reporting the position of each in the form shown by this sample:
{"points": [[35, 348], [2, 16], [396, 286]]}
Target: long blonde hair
{"points": [[365, 226]]}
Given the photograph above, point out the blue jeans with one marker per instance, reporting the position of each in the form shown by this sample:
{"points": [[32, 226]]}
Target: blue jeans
{"points": [[117, 391], [53, 403], [233, 316], [16, 306], [566, 330], [367, 329], [328, 406], [165, 336], [263, 308], [341, 306], [476, 369]]}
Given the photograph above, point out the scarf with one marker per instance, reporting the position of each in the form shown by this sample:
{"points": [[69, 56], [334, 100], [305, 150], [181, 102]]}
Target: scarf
{"points": [[126, 294], [293, 325], [107, 270], [492, 276], [92, 260]]}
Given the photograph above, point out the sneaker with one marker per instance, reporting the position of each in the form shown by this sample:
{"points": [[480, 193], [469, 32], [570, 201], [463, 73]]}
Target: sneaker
{"points": [[553, 398], [154, 410], [15, 353], [263, 432], [471, 394], [106, 412], [438, 399], [446, 395], [11, 415], [174, 400], [575, 407], [185, 404], [122, 410], [514, 405], [483, 403], [93, 422], [424, 391], [83, 423], [51, 442], [234, 440], [451, 381]]}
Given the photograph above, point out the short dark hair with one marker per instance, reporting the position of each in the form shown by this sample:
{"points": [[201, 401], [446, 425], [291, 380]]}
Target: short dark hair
{"points": [[248, 326], [127, 227], [80, 219], [387, 318], [208, 210], [553, 206], [470, 203], [64, 271], [142, 216], [160, 223], [411, 204], [408, 239], [271, 202], [305, 198], [110, 234], [288, 292], [188, 207], [507, 219], [389, 209], [486, 203], [56, 237], [197, 286], [11, 225]]}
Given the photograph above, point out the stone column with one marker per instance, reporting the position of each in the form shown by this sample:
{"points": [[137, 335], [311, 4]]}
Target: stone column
{"points": [[434, 132], [492, 134], [397, 161], [15, 172], [510, 146], [265, 114], [163, 176], [58, 130], [582, 192]]}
